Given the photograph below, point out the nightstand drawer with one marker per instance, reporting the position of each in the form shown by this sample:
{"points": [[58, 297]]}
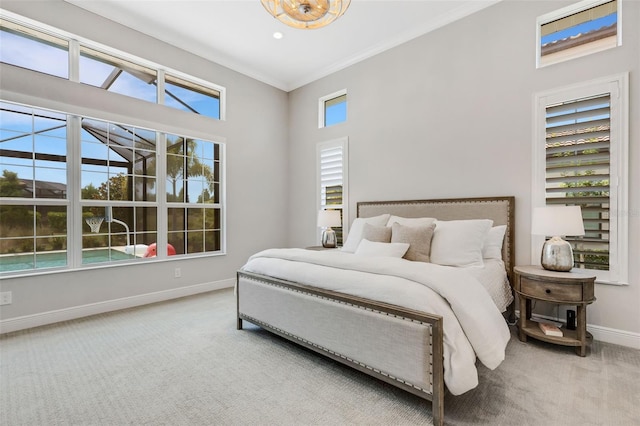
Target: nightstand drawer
{"points": [[550, 291]]}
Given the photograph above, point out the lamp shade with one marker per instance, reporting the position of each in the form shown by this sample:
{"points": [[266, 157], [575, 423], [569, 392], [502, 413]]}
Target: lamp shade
{"points": [[329, 218], [557, 221]]}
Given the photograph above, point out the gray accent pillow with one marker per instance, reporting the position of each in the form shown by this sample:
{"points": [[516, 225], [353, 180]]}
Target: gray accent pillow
{"points": [[418, 237], [376, 234]]}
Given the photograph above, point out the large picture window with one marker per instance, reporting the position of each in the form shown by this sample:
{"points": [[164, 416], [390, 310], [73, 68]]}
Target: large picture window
{"points": [[120, 198], [581, 152]]}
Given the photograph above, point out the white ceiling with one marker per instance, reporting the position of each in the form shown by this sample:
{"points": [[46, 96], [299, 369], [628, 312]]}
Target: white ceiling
{"points": [[239, 33]]}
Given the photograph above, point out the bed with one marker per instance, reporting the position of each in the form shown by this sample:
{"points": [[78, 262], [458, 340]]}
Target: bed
{"points": [[416, 324]]}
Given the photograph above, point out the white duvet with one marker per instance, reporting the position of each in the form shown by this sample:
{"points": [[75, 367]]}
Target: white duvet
{"points": [[473, 325]]}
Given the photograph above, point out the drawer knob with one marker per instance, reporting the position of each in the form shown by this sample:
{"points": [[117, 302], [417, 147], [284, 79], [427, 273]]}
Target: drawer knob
{"points": [[548, 291]]}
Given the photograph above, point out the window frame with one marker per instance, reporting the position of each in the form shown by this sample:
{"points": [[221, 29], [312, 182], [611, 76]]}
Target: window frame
{"points": [[618, 87], [342, 143], [74, 203], [568, 11], [322, 109]]}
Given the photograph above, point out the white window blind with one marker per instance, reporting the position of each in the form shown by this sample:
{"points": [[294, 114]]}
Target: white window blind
{"points": [[332, 179], [578, 171], [331, 171]]}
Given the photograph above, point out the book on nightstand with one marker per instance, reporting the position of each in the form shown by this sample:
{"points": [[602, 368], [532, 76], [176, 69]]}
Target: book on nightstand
{"points": [[550, 329]]}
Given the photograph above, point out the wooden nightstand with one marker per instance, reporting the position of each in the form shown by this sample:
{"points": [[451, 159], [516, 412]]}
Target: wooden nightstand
{"points": [[562, 288], [320, 248]]}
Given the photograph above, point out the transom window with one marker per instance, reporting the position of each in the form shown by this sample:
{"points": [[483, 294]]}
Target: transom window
{"points": [[332, 109], [28, 47], [33, 49], [581, 29]]}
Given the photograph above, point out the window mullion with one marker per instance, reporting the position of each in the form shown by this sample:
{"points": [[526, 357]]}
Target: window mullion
{"points": [[161, 195], [74, 177], [74, 61], [160, 86]]}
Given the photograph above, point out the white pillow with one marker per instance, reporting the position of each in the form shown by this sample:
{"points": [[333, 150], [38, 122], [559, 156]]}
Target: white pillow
{"points": [[370, 248], [492, 248], [459, 242], [411, 221], [355, 233]]}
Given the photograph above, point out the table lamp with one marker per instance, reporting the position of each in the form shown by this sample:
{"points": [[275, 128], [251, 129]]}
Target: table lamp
{"points": [[554, 221], [327, 219]]}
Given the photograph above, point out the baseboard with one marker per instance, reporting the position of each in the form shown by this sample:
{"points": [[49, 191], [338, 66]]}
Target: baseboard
{"points": [[604, 334], [612, 335], [50, 317]]}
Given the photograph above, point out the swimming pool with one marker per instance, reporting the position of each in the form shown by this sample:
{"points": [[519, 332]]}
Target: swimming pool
{"points": [[21, 262]]}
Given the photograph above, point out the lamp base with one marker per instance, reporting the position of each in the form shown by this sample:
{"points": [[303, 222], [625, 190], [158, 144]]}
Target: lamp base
{"points": [[329, 239], [557, 255]]}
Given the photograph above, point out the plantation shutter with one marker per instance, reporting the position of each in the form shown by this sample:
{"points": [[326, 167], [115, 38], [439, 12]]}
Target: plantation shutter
{"points": [[578, 171], [331, 181]]}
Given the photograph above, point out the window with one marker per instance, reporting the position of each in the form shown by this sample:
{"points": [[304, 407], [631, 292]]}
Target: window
{"points": [[33, 49], [120, 199], [578, 30], [117, 75], [332, 109], [193, 194], [188, 96], [580, 158], [332, 160], [33, 188], [24, 46], [118, 188]]}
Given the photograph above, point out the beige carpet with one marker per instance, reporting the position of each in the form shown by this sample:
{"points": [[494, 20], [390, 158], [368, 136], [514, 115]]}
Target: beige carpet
{"points": [[183, 363]]}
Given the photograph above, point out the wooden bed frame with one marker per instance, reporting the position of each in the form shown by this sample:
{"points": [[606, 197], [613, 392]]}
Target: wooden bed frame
{"points": [[287, 308]]}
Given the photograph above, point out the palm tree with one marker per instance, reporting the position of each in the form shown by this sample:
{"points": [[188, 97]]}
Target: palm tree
{"points": [[183, 163]]}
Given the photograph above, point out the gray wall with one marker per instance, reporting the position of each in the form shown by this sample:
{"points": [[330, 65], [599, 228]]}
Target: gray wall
{"points": [[256, 161], [450, 114]]}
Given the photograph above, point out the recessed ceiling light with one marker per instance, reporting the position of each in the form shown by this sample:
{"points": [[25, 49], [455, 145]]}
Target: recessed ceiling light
{"points": [[278, 35]]}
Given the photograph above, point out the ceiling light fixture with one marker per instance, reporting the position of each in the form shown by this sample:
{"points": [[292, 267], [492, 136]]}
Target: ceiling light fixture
{"points": [[306, 14]]}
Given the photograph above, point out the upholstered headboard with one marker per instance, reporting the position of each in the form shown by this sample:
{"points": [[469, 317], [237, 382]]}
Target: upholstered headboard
{"points": [[499, 209]]}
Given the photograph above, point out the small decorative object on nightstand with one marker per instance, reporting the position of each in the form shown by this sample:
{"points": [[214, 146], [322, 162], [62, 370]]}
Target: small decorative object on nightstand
{"points": [[327, 219], [561, 288]]}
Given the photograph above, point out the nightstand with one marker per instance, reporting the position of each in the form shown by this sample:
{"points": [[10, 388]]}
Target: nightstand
{"points": [[561, 288], [319, 248]]}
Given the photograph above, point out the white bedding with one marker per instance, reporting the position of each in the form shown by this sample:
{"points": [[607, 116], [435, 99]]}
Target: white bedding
{"points": [[493, 276], [473, 325]]}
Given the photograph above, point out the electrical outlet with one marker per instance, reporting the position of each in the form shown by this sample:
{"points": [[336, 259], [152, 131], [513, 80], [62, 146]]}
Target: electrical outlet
{"points": [[5, 298], [177, 273]]}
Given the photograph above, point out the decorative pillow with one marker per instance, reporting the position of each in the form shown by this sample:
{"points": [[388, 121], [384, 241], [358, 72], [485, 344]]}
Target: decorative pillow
{"points": [[378, 234], [459, 242], [492, 248], [355, 232], [418, 237], [410, 221], [372, 248]]}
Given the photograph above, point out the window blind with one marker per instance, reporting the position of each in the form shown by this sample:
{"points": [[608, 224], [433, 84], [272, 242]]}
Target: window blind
{"points": [[578, 171], [331, 181]]}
